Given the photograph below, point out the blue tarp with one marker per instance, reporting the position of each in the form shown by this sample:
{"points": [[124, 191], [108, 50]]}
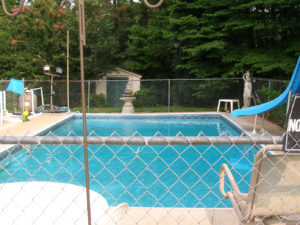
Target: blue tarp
{"points": [[15, 86], [294, 85]]}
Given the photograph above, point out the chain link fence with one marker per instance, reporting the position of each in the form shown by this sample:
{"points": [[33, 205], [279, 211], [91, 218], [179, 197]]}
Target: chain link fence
{"points": [[151, 95], [265, 90], [164, 180]]}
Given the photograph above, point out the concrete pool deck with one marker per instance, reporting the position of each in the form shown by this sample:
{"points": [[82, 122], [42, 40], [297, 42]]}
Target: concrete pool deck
{"points": [[183, 216], [35, 125], [135, 215], [247, 123], [42, 121]]}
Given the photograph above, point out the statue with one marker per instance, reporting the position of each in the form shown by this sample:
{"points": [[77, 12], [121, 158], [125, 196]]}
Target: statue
{"points": [[247, 89]]}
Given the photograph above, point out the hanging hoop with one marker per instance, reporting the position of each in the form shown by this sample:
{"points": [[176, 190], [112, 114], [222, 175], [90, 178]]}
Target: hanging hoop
{"points": [[153, 6], [15, 13]]}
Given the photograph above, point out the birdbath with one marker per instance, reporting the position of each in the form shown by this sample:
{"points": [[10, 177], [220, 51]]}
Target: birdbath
{"points": [[128, 99]]}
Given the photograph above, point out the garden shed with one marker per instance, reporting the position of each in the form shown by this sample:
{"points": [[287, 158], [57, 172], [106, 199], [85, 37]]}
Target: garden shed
{"points": [[113, 85]]}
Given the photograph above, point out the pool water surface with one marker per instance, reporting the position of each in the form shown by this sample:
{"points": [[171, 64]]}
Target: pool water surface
{"points": [[142, 175], [149, 125]]}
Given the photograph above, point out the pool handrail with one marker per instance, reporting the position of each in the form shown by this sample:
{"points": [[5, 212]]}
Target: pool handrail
{"points": [[294, 87]]}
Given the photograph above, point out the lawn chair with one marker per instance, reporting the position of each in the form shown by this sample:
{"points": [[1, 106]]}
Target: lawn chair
{"points": [[274, 190]]}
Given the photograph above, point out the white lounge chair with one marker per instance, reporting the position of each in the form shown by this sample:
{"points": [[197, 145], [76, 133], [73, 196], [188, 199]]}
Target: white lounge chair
{"points": [[274, 190]]}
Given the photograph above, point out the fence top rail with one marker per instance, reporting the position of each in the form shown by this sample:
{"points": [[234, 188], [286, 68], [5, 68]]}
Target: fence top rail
{"points": [[177, 79], [267, 79], [136, 140], [192, 79]]}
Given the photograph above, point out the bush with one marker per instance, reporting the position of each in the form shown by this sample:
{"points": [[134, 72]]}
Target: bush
{"points": [[210, 91], [144, 98], [277, 114], [97, 100]]}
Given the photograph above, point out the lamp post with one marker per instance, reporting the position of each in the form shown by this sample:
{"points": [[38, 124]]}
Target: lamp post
{"points": [[46, 71], [176, 46]]}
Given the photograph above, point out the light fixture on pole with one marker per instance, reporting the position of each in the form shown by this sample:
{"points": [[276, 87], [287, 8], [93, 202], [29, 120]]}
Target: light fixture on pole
{"points": [[59, 70], [46, 71], [46, 68]]}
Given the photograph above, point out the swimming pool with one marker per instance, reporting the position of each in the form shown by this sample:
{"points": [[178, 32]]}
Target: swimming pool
{"points": [[149, 125], [142, 175]]}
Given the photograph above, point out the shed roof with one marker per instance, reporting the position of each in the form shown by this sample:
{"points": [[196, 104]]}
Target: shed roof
{"points": [[118, 72]]}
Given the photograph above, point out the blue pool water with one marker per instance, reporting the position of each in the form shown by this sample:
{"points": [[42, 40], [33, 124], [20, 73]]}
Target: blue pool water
{"points": [[149, 176], [149, 125]]}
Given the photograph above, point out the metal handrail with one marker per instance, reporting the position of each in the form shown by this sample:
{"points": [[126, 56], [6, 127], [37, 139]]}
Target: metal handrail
{"points": [[226, 171]]}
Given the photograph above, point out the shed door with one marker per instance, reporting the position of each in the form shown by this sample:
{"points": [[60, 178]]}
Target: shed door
{"points": [[114, 91]]}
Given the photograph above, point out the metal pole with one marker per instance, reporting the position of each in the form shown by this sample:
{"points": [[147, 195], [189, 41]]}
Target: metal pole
{"points": [[82, 42], [42, 95], [137, 140], [32, 101], [23, 96], [254, 128], [288, 103], [89, 90], [176, 62], [4, 101], [51, 90], [269, 91], [1, 107], [169, 94], [263, 123], [68, 88]]}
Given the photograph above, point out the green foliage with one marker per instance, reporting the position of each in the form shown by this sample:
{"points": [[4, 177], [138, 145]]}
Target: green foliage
{"points": [[181, 94], [232, 37], [144, 98], [98, 110], [209, 92], [150, 50], [277, 114], [35, 38], [97, 100], [214, 38]]}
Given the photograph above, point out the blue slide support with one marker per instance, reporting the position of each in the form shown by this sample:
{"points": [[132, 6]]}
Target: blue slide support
{"points": [[294, 86]]}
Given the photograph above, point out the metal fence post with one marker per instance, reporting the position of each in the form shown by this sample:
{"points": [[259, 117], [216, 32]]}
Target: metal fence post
{"points": [[89, 90], [169, 94], [269, 90]]}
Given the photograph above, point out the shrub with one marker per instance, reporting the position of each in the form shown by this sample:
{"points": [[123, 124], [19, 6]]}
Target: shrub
{"points": [[144, 98], [209, 92], [97, 100], [277, 114]]}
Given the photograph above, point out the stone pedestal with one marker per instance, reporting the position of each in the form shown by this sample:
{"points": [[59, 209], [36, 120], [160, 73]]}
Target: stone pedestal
{"points": [[128, 106]]}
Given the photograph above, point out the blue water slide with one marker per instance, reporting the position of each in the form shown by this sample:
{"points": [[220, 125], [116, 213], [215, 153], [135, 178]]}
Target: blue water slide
{"points": [[294, 85]]}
